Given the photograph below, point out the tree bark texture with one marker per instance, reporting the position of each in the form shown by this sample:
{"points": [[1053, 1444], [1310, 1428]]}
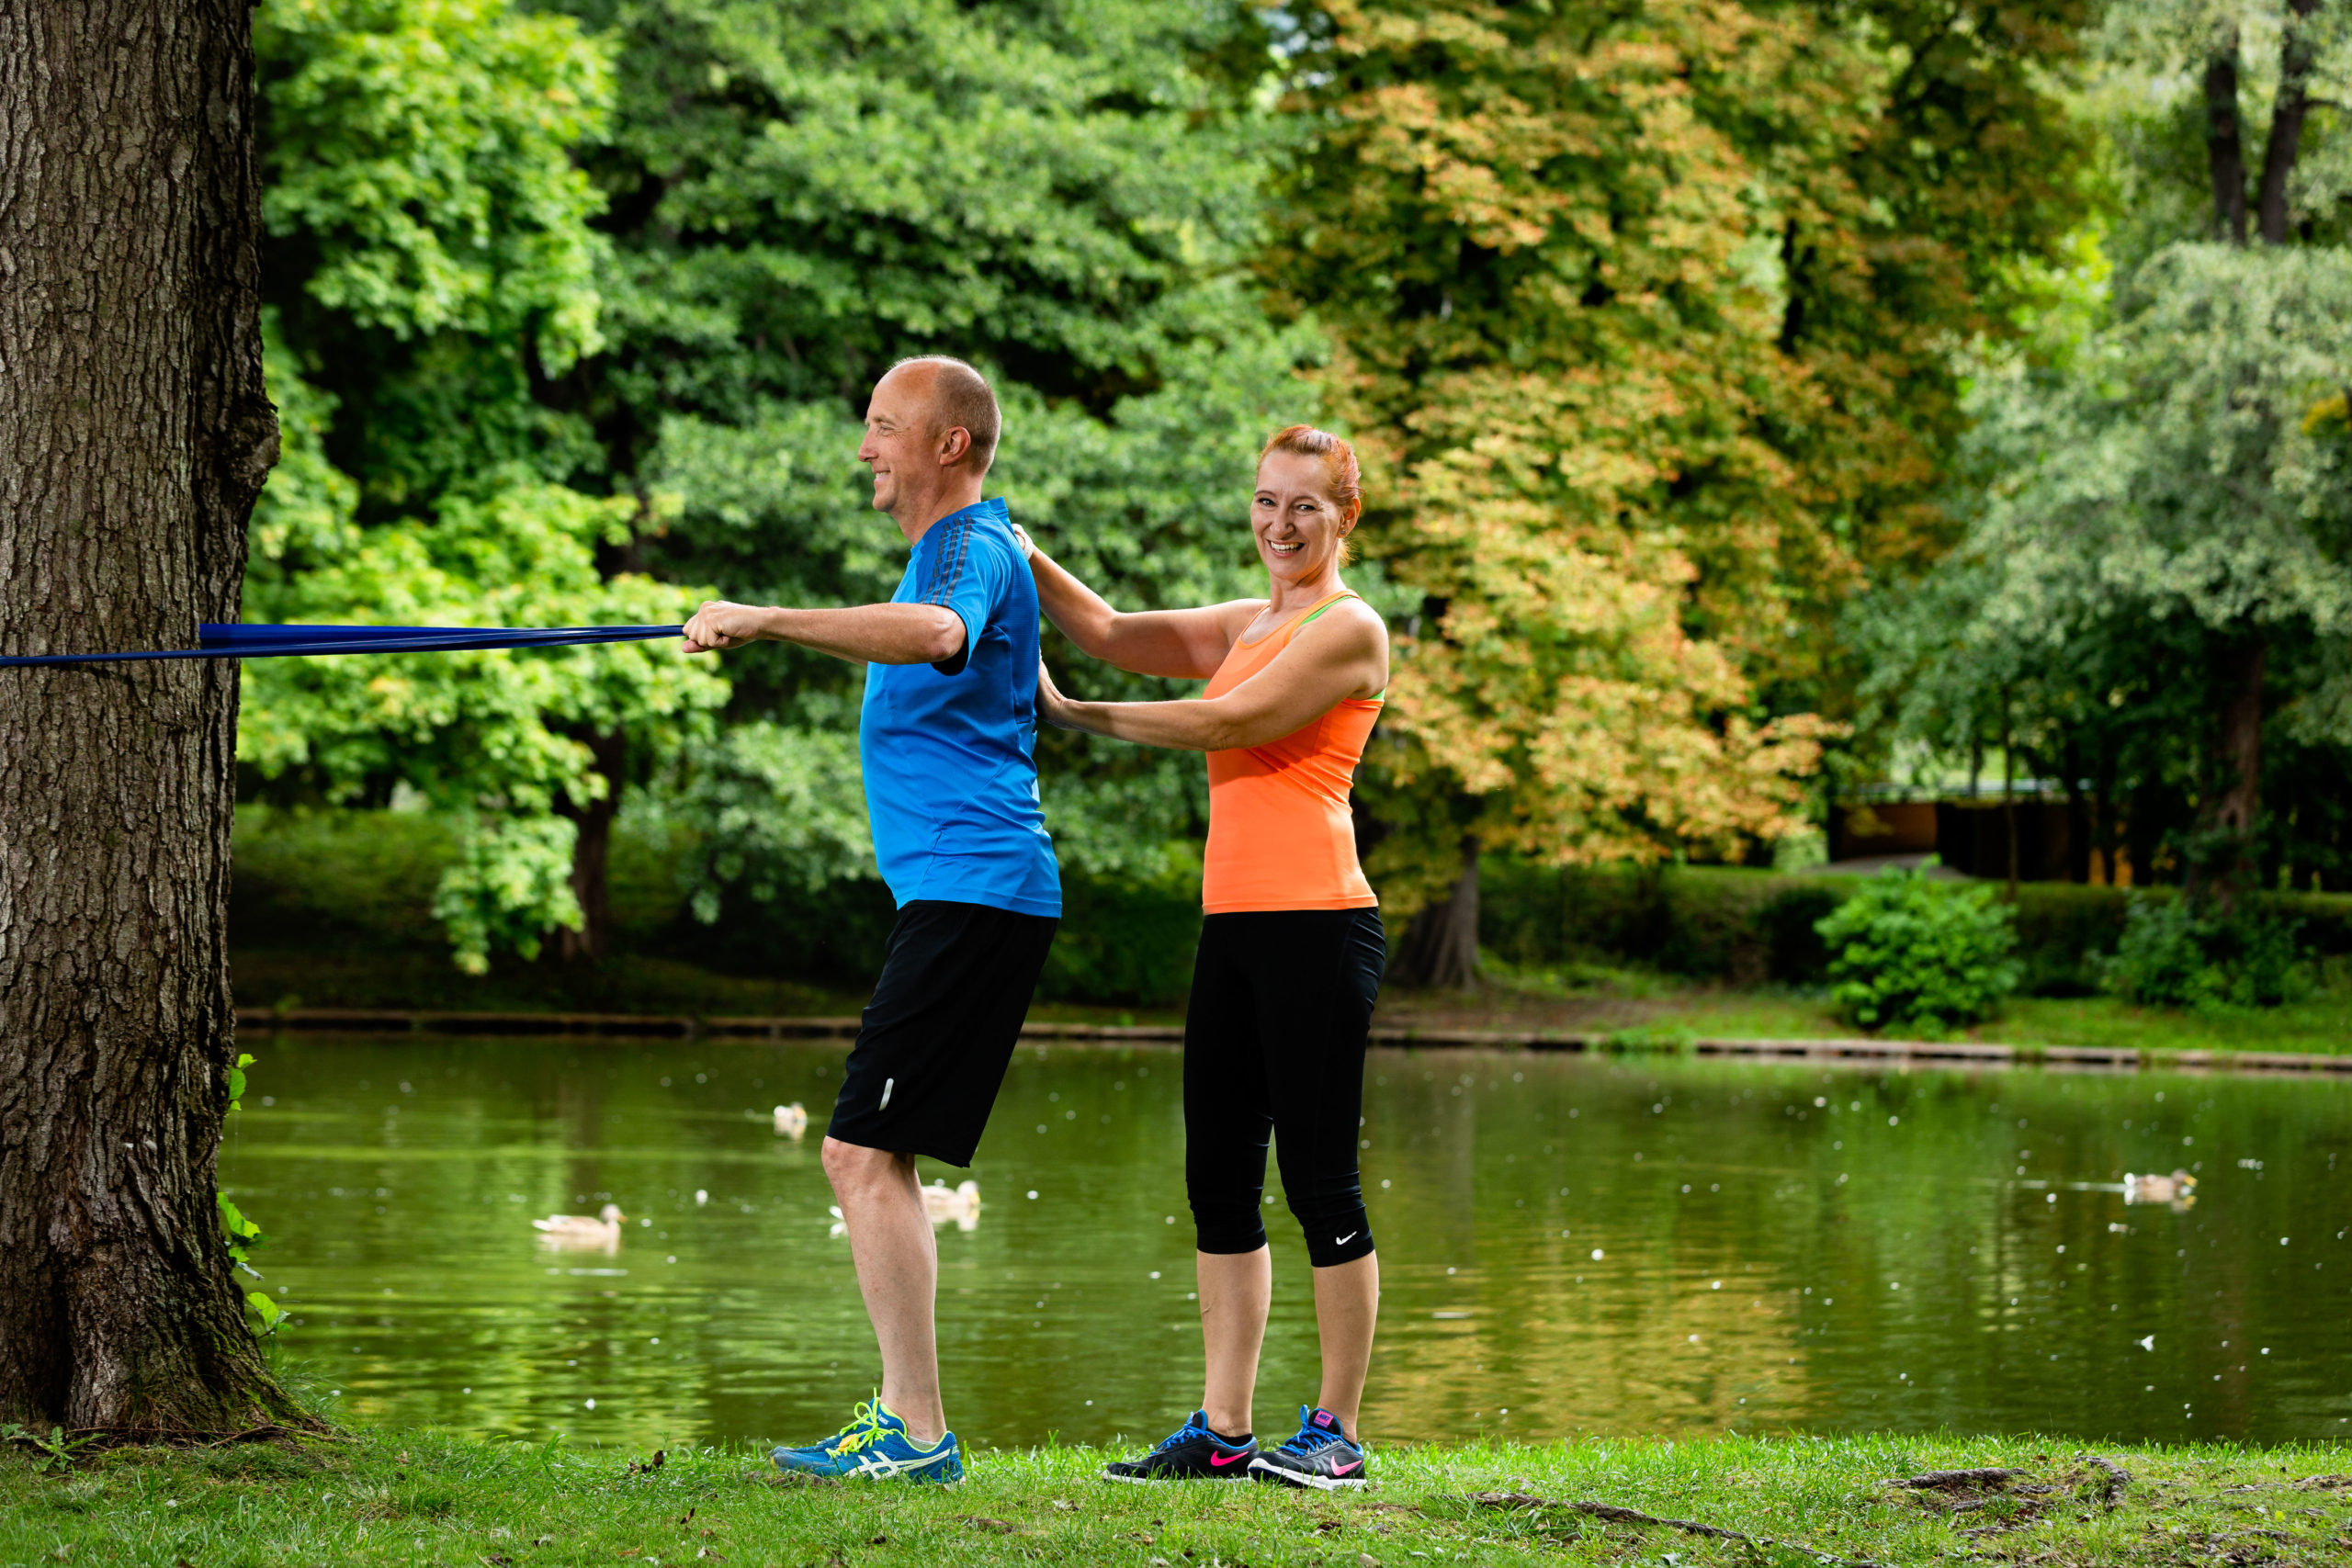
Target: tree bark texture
{"points": [[134, 435], [2225, 148], [592, 853], [1439, 951]]}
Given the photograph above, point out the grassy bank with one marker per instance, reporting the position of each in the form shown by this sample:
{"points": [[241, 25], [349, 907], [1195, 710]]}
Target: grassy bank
{"points": [[420, 1497], [1592, 999]]}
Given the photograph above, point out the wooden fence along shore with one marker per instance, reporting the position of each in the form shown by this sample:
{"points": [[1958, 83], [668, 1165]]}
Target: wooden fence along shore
{"points": [[370, 1020]]}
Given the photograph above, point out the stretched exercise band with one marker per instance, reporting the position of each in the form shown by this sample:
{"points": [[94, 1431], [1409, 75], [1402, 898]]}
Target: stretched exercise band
{"points": [[217, 641]]}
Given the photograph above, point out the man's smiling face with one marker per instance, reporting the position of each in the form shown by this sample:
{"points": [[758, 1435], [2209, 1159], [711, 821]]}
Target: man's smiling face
{"points": [[899, 445]]}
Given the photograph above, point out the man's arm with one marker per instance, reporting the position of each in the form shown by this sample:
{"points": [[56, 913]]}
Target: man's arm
{"points": [[865, 634]]}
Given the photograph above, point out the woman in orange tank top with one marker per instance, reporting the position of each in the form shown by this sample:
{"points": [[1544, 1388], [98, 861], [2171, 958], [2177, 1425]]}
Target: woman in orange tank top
{"points": [[1291, 948]]}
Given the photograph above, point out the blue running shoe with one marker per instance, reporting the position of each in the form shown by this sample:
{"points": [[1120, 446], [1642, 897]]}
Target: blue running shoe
{"points": [[1194, 1452], [1321, 1456], [875, 1445]]}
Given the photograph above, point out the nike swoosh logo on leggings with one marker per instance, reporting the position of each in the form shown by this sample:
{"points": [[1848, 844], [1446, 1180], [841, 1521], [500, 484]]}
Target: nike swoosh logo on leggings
{"points": [[1219, 1462], [1342, 1241]]}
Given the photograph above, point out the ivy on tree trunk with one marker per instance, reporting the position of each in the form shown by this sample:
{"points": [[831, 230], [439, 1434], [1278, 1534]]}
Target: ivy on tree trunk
{"points": [[134, 435]]}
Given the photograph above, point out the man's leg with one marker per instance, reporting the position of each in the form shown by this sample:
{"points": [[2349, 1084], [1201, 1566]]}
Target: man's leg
{"points": [[898, 1273]]}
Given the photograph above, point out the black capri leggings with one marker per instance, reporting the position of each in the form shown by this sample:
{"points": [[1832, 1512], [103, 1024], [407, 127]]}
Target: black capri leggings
{"points": [[1274, 1039]]}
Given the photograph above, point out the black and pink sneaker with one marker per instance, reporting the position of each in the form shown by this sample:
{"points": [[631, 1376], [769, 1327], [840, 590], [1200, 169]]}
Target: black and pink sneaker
{"points": [[1192, 1452], [1321, 1456]]}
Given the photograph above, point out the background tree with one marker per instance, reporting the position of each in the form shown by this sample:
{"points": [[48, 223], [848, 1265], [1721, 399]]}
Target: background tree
{"points": [[133, 436], [1644, 321], [2156, 578], [433, 272]]}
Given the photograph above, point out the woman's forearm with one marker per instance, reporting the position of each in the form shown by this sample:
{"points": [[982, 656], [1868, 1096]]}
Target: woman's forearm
{"points": [[1191, 723]]}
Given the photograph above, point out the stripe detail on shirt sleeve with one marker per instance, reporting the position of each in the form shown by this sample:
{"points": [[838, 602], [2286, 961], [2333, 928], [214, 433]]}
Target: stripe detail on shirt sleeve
{"points": [[949, 572]]}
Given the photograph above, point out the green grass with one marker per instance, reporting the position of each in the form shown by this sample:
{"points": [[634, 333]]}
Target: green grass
{"points": [[423, 1497]]}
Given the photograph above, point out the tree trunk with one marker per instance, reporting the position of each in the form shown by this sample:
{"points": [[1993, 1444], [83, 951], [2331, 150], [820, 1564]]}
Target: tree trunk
{"points": [[134, 435], [2078, 817], [1440, 947], [2009, 795], [2296, 58], [2224, 149], [2239, 806], [591, 851]]}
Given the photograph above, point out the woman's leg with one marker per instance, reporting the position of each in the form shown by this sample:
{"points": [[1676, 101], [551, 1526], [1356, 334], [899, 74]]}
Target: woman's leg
{"points": [[1226, 1127], [1316, 1028], [1237, 1289], [1347, 1306]]}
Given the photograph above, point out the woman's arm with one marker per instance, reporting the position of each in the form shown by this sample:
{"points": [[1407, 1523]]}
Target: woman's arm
{"points": [[1186, 644], [1344, 654]]}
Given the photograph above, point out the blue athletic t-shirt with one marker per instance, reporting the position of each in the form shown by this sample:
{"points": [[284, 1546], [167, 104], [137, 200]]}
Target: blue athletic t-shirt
{"points": [[949, 749]]}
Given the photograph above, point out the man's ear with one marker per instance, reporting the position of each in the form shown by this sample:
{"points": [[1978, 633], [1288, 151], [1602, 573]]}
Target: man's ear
{"points": [[954, 445]]}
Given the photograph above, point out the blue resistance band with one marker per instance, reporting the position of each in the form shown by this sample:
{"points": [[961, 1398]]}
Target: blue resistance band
{"points": [[217, 641]]}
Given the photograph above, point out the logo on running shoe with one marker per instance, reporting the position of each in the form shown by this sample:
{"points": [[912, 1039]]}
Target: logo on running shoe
{"points": [[1221, 1461], [1347, 1469]]}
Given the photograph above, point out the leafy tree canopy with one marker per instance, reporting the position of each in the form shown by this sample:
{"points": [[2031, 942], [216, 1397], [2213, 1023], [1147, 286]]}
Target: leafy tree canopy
{"points": [[433, 265]]}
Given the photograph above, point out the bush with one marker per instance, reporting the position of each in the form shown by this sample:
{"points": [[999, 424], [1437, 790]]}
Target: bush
{"points": [[2179, 952], [1905, 950]]}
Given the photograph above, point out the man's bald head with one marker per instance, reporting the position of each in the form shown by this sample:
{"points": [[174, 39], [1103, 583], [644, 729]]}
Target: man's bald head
{"points": [[958, 395]]}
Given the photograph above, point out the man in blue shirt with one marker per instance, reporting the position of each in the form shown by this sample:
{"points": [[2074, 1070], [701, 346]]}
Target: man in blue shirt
{"points": [[947, 738]]}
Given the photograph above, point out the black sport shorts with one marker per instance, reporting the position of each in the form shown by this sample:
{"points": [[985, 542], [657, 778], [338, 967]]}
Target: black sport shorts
{"points": [[935, 1040]]}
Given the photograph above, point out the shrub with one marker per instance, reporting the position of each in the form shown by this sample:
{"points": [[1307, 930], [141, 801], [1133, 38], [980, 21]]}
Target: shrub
{"points": [[2178, 952], [1905, 950]]}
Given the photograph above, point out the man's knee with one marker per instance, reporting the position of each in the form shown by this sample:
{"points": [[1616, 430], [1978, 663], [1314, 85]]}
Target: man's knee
{"points": [[853, 1168]]}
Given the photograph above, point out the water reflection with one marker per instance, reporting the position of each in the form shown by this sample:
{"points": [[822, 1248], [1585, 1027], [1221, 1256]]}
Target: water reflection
{"points": [[1568, 1244]]}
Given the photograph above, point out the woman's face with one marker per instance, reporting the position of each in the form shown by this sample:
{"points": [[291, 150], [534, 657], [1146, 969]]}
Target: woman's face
{"points": [[1298, 526]]}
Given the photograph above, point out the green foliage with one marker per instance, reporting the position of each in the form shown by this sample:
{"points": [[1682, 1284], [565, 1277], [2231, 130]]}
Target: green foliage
{"points": [[1908, 950], [2180, 953], [56, 1451], [435, 264]]}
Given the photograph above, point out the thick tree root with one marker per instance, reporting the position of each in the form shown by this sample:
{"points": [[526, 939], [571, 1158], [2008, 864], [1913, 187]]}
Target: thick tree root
{"points": [[1616, 1515]]}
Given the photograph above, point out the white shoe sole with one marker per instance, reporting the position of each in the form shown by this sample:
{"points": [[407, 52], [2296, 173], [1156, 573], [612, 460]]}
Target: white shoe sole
{"points": [[1309, 1483], [1240, 1474]]}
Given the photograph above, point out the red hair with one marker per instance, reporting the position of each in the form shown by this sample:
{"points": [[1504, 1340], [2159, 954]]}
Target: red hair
{"points": [[1338, 461]]}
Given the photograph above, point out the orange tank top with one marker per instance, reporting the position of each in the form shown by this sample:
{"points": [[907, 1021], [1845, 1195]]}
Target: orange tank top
{"points": [[1279, 833]]}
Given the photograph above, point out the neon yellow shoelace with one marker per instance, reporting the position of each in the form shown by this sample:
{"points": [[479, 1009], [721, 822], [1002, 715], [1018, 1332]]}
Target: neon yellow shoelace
{"points": [[865, 1429]]}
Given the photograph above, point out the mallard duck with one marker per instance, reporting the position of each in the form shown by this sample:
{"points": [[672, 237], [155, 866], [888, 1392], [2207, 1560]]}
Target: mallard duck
{"points": [[960, 1203], [579, 1230], [2173, 1188], [791, 1121]]}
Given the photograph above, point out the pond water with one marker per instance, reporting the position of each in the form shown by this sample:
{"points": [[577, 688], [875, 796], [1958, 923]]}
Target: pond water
{"points": [[1569, 1245]]}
